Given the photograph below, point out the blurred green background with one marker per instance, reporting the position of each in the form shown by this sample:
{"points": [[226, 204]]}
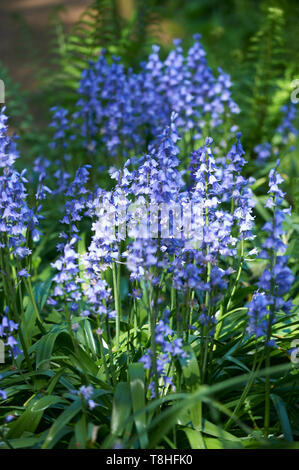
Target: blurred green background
{"points": [[45, 45]]}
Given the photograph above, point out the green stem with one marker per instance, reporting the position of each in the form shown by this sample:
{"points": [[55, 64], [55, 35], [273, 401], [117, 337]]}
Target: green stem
{"points": [[267, 394], [205, 329], [107, 373], [24, 346], [267, 382], [6, 441], [116, 289], [240, 266], [255, 368], [267, 347], [33, 302], [110, 352], [224, 310], [152, 316]]}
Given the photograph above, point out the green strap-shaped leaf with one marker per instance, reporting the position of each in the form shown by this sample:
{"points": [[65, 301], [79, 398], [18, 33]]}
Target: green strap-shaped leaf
{"points": [[192, 380], [137, 387], [283, 417], [45, 347], [195, 439], [29, 420], [121, 409], [61, 422]]}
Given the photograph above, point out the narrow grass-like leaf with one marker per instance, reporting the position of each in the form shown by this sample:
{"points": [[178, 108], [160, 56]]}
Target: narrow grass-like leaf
{"points": [[137, 387], [61, 422], [121, 408]]}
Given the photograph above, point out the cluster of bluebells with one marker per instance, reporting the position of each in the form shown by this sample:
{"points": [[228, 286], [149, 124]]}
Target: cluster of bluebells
{"points": [[3, 394], [154, 180], [8, 147], [18, 228], [286, 131], [79, 279], [60, 123], [122, 111], [18, 224], [17, 217], [287, 125], [67, 280], [236, 189], [277, 278], [86, 392], [60, 142], [8, 329], [100, 255], [168, 348], [15, 214], [263, 152], [216, 227], [223, 202], [56, 169], [128, 112]]}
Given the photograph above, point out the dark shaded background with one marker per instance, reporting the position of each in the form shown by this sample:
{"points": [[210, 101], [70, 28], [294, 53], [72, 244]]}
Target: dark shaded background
{"points": [[27, 26], [25, 33], [30, 29]]}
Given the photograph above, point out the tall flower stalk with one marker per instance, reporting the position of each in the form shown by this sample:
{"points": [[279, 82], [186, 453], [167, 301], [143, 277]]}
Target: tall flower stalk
{"points": [[275, 282]]}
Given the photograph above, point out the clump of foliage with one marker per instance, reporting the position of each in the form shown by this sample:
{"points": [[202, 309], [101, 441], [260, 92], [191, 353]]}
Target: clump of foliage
{"points": [[153, 304]]}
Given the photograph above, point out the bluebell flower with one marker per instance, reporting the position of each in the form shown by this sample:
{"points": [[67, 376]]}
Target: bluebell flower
{"points": [[68, 283], [169, 348], [8, 147], [122, 110], [86, 391], [60, 123], [286, 128], [16, 217], [263, 152], [277, 278], [7, 330]]}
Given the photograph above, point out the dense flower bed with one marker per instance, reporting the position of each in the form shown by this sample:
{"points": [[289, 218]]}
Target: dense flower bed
{"points": [[154, 277]]}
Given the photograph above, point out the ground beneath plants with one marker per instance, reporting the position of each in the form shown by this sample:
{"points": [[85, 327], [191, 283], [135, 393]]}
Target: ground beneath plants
{"points": [[25, 34]]}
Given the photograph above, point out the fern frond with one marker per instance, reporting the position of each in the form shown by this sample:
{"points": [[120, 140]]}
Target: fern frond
{"points": [[97, 28], [100, 26], [16, 102], [267, 56]]}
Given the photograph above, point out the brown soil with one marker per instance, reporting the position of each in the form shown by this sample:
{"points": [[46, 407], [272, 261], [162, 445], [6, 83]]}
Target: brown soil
{"points": [[25, 33]]}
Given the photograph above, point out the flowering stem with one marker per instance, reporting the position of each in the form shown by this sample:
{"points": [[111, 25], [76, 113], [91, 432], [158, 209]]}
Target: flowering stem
{"points": [[205, 328], [5, 440], [224, 310], [152, 321], [104, 361], [31, 296], [267, 394], [189, 304], [255, 368], [9, 297], [4, 279], [269, 332], [24, 347], [135, 316], [267, 366], [172, 299], [116, 289], [241, 260], [110, 352], [21, 336]]}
